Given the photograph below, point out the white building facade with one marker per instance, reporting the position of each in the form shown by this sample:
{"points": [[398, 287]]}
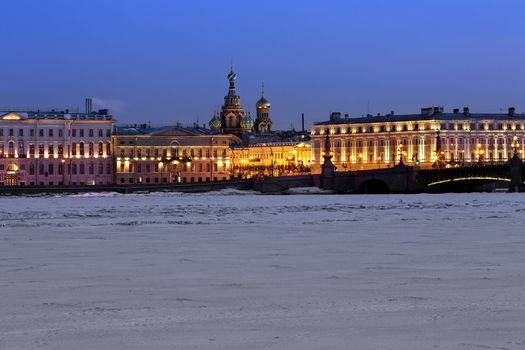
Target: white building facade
{"points": [[55, 148]]}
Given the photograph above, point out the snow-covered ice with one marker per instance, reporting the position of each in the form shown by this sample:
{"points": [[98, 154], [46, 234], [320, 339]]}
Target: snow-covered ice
{"points": [[234, 270]]}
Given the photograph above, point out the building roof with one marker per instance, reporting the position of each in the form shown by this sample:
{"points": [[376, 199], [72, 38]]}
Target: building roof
{"points": [[176, 130], [102, 114], [426, 115]]}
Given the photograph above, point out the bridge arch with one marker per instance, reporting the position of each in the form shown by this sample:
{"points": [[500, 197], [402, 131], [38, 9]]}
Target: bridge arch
{"points": [[373, 186]]}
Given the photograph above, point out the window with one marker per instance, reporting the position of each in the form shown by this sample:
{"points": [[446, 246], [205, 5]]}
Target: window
{"points": [[74, 132], [31, 149], [50, 169], [108, 169], [91, 169], [32, 132], [41, 132], [51, 150], [50, 132], [60, 149], [41, 169], [41, 149], [100, 132], [73, 148], [11, 132], [81, 131], [108, 148], [60, 169], [11, 149], [108, 132], [20, 132], [100, 168], [81, 150], [91, 149], [1, 132], [81, 169], [91, 133], [21, 147], [74, 168], [100, 148], [60, 132], [31, 169]]}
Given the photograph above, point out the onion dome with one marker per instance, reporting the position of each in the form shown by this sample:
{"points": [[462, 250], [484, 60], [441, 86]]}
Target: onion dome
{"points": [[263, 103], [215, 122], [232, 76], [247, 122]]}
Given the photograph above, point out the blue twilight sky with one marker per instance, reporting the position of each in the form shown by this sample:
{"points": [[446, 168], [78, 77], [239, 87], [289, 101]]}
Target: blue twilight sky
{"points": [[167, 61]]}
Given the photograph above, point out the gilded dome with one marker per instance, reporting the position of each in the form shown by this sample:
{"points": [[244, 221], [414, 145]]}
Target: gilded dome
{"points": [[263, 103]]}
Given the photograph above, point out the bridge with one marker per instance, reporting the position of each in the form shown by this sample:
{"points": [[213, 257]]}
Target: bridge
{"points": [[410, 179]]}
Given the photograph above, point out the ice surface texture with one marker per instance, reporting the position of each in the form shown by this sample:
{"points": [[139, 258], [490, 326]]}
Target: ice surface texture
{"points": [[237, 270]]}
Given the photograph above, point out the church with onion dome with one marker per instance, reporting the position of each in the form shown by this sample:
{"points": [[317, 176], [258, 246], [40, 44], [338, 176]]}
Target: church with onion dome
{"points": [[263, 122], [232, 119]]}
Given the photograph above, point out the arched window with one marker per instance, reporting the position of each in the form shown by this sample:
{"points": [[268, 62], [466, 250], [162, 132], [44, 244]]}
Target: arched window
{"points": [[91, 149], [11, 149], [81, 148], [100, 148]]}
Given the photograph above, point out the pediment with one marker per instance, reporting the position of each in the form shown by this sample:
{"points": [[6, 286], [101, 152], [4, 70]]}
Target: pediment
{"points": [[11, 116], [174, 131]]}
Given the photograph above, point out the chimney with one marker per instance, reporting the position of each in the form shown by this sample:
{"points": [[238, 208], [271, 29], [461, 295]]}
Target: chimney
{"points": [[512, 111], [391, 112], [456, 110], [89, 105], [436, 110], [426, 111], [302, 122], [466, 111]]}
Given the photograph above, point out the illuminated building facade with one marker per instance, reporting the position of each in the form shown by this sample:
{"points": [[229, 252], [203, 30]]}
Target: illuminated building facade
{"points": [[55, 148], [171, 155], [270, 159], [421, 139]]}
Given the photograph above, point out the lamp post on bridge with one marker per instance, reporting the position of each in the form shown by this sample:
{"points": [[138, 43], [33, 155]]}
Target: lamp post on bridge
{"points": [[515, 146]]}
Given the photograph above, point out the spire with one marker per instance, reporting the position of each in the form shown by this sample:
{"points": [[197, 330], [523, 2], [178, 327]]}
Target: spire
{"points": [[262, 89]]}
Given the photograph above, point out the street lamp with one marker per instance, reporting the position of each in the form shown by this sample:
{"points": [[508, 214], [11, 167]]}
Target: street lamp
{"points": [[515, 145], [479, 153]]}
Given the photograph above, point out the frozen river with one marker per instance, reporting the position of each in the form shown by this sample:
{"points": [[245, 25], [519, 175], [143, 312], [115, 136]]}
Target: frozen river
{"points": [[247, 271]]}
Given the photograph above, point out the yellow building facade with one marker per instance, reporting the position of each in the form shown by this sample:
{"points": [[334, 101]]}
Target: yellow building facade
{"points": [[173, 155], [270, 159], [419, 139]]}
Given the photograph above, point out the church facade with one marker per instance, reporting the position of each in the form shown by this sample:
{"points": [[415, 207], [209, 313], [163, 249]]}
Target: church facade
{"points": [[233, 119]]}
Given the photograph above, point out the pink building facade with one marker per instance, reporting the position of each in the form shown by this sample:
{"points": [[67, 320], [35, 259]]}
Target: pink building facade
{"points": [[56, 148]]}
